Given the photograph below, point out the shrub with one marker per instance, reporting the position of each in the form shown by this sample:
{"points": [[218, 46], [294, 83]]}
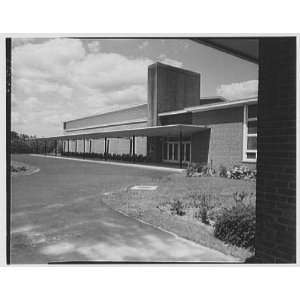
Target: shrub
{"points": [[190, 170], [222, 171], [177, 207], [200, 169], [203, 203], [242, 198], [206, 170], [237, 226], [241, 172]]}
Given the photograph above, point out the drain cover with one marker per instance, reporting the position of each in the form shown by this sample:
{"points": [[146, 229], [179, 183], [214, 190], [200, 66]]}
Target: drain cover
{"points": [[144, 187]]}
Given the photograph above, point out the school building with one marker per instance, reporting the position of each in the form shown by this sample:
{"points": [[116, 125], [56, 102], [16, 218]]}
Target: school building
{"points": [[175, 126]]}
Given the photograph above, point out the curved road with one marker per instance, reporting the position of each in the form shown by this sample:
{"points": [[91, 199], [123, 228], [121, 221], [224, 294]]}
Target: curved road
{"points": [[58, 216]]}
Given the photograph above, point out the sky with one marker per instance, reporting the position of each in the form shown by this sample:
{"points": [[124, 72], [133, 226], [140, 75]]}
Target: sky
{"points": [[59, 79]]}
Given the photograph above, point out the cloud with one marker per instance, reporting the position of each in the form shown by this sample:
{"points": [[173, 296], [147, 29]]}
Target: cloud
{"points": [[143, 45], [31, 102], [51, 60], [168, 61], [94, 46], [186, 45], [42, 87], [116, 99], [16, 117], [21, 41], [61, 79], [110, 71], [238, 90], [13, 101]]}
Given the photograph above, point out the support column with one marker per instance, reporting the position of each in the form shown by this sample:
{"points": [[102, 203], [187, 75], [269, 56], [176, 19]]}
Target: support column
{"points": [[180, 150], [130, 146], [105, 148], [68, 146], [133, 147], [45, 146], [107, 152], [90, 146], [76, 146], [83, 147]]}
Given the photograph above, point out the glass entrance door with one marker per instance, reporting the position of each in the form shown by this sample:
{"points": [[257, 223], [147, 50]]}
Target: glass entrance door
{"points": [[186, 152], [171, 151]]}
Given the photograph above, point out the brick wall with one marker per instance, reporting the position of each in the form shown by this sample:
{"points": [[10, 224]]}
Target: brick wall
{"points": [[169, 89], [223, 144], [276, 165]]}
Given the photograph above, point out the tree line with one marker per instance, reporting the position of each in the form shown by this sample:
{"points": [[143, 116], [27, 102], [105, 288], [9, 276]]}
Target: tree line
{"points": [[23, 143]]}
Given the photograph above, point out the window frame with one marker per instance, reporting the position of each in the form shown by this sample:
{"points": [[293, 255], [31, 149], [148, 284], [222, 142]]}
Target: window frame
{"points": [[246, 135]]}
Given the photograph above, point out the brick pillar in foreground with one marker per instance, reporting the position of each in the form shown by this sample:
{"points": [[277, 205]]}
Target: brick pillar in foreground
{"points": [[276, 165]]}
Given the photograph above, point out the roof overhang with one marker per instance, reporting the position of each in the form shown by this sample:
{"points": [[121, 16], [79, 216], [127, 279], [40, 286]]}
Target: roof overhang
{"points": [[167, 130], [243, 47]]}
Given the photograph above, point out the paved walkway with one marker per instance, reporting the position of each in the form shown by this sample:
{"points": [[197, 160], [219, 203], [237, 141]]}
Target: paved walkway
{"points": [[58, 215]]}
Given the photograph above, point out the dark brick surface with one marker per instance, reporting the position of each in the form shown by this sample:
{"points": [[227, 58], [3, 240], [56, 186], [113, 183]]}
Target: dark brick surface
{"points": [[276, 165]]}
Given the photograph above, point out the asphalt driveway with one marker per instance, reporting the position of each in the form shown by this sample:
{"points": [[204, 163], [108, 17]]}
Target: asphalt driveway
{"points": [[58, 215]]}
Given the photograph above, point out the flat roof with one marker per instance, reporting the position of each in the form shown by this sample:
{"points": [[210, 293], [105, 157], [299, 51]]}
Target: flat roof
{"points": [[112, 112], [167, 130], [212, 106]]}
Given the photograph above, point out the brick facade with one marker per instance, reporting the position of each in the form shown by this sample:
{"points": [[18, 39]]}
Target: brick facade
{"points": [[225, 138], [276, 165], [170, 88]]}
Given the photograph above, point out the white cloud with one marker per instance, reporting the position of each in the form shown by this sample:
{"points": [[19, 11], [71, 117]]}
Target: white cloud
{"points": [[168, 61], [238, 90], [15, 117], [105, 101], [57, 80], [143, 45], [110, 70], [186, 45], [36, 86], [31, 102], [135, 94], [21, 41], [94, 46], [13, 101], [51, 60]]}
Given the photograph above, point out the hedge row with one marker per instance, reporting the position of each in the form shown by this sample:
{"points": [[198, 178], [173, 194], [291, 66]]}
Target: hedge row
{"points": [[109, 156]]}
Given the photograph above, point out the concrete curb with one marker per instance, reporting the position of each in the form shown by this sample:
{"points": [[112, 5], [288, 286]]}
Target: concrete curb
{"points": [[141, 166]]}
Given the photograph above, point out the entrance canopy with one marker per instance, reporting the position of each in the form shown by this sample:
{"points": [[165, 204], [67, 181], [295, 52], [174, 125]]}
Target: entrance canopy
{"points": [[167, 130]]}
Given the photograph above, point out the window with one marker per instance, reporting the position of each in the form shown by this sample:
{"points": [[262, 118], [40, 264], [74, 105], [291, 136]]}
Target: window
{"points": [[250, 133]]}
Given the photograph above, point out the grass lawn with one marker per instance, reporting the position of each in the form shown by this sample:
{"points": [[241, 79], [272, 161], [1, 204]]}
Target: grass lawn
{"points": [[153, 206]]}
